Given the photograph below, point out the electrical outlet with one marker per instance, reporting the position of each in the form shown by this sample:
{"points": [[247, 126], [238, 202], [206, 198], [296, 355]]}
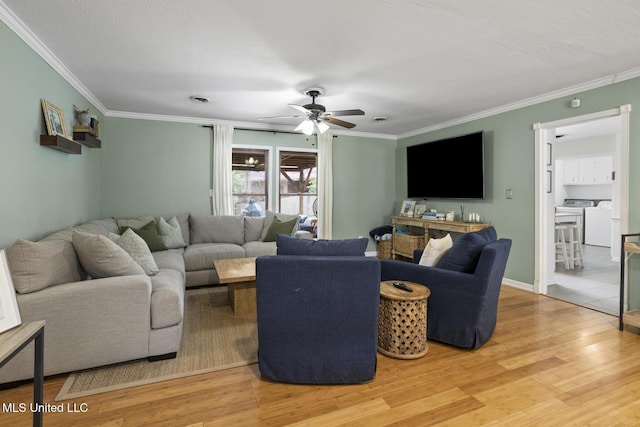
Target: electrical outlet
{"points": [[509, 193]]}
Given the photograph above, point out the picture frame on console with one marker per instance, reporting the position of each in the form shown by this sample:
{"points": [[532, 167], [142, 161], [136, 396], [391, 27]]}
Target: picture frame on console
{"points": [[419, 210], [407, 208], [54, 119], [9, 312]]}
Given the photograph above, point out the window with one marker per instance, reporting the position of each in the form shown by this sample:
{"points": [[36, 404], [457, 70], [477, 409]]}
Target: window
{"points": [[250, 181], [298, 182]]}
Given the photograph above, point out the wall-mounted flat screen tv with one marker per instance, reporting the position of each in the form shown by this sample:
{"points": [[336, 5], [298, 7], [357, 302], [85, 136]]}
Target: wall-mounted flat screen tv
{"points": [[451, 168]]}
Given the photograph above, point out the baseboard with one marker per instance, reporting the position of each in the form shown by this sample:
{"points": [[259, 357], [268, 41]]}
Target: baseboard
{"points": [[518, 285]]}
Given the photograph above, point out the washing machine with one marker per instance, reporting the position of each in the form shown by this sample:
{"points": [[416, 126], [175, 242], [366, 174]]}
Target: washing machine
{"points": [[597, 224]]}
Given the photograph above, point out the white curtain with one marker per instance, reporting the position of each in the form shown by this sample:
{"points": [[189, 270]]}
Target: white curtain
{"points": [[221, 181], [325, 185]]}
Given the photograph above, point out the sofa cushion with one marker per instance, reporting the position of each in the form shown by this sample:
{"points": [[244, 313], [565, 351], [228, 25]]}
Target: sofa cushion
{"points": [[134, 222], [269, 217], [217, 229], [280, 227], [149, 232], [253, 227], [172, 259], [434, 250], [100, 257], [347, 247], [256, 249], [38, 265], [465, 251], [171, 233], [98, 226], [200, 256], [137, 248]]}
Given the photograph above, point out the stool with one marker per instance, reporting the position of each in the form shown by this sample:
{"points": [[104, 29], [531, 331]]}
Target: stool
{"points": [[402, 320], [562, 255], [574, 234]]}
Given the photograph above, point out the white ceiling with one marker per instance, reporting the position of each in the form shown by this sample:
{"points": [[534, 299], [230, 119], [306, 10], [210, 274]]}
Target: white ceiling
{"points": [[420, 63]]}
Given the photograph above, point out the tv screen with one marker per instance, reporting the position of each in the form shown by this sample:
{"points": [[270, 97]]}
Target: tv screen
{"points": [[451, 168]]}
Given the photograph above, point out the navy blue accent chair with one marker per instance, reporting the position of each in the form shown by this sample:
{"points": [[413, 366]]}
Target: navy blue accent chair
{"points": [[317, 318], [462, 308]]}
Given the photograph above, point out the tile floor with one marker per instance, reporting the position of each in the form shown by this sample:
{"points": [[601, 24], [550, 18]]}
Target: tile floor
{"points": [[595, 286]]}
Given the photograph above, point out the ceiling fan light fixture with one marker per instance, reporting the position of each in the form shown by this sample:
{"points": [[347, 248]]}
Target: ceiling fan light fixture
{"points": [[307, 127], [322, 126]]}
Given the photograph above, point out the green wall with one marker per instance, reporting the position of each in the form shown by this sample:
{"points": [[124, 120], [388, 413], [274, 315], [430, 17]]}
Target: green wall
{"points": [[510, 164], [154, 167], [41, 190], [164, 167]]}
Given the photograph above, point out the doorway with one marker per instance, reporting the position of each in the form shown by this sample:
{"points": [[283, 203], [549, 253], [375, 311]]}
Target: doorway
{"points": [[546, 193]]}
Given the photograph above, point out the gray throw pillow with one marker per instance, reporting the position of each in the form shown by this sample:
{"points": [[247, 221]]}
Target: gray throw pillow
{"points": [[137, 248], [38, 265], [100, 257], [171, 233]]}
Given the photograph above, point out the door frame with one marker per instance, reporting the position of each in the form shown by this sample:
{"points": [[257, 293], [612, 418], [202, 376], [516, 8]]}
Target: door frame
{"points": [[545, 132]]}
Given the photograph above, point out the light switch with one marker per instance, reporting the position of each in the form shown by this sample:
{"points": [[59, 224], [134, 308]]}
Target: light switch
{"points": [[509, 193]]}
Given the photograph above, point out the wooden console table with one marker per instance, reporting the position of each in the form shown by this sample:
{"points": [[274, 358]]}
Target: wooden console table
{"points": [[431, 224]]}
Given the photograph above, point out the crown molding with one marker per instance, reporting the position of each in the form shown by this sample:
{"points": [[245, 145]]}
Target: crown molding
{"points": [[569, 91], [18, 27], [237, 124]]}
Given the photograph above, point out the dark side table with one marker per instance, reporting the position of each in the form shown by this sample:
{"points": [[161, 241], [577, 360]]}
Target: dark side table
{"points": [[13, 342]]}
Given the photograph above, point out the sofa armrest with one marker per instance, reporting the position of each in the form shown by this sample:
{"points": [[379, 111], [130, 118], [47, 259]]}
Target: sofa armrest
{"points": [[90, 323], [432, 277]]}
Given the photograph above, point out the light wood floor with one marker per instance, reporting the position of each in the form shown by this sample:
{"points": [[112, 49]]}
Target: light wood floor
{"points": [[549, 363]]}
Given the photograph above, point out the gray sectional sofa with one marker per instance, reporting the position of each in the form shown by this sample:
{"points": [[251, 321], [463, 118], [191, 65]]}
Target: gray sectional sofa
{"points": [[104, 302]]}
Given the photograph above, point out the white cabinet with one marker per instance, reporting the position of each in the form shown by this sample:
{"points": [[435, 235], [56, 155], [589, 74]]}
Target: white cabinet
{"points": [[588, 170], [603, 169], [572, 171]]}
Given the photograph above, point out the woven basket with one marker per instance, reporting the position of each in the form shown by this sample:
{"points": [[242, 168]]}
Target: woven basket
{"points": [[405, 244], [384, 249]]}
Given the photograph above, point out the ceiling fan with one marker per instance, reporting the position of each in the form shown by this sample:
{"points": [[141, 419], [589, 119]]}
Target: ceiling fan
{"points": [[316, 115]]}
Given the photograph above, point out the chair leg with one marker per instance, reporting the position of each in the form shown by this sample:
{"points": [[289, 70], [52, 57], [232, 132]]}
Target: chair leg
{"points": [[561, 246]]}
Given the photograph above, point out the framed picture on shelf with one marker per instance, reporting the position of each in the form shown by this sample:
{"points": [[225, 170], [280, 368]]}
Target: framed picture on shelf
{"points": [[9, 313], [407, 208], [54, 118], [419, 209]]}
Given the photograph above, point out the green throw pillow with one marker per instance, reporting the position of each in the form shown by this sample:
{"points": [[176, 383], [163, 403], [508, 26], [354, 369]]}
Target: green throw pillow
{"points": [[149, 232], [278, 226]]}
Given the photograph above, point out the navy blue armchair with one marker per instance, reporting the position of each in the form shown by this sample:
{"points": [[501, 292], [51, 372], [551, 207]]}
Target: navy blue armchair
{"points": [[317, 318], [462, 308]]}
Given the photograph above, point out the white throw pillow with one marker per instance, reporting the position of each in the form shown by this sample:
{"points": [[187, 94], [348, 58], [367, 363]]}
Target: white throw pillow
{"points": [[434, 250], [137, 248], [171, 233]]}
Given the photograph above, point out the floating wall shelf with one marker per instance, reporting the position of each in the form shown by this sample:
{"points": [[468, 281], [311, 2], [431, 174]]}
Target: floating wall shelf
{"points": [[60, 143], [87, 139]]}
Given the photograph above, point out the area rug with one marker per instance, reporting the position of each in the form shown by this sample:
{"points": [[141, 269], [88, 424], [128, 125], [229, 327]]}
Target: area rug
{"points": [[212, 339]]}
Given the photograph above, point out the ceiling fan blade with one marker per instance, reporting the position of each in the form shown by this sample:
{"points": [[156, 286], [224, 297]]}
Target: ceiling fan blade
{"points": [[281, 117], [339, 122], [356, 112], [300, 108]]}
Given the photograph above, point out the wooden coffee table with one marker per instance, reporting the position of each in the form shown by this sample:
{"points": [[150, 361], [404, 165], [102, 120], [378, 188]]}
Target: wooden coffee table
{"points": [[239, 274]]}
